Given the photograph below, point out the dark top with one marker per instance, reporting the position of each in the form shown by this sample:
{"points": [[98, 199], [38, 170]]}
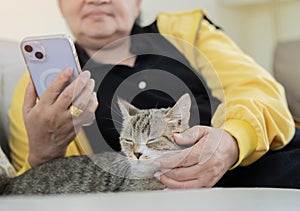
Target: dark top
{"points": [[160, 75]]}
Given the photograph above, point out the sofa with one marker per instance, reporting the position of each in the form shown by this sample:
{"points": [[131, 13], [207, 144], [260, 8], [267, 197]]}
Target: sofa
{"points": [[287, 72], [12, 68]]}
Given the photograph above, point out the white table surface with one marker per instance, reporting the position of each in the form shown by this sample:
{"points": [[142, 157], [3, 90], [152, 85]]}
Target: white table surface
{"points": [[206, 199]]}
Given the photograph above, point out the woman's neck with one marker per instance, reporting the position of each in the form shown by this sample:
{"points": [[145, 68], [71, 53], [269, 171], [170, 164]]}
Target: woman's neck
{"points": [[115, 53]]}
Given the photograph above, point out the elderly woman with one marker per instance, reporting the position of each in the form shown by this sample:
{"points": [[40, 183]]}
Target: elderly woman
{"points": [[249, 116]]}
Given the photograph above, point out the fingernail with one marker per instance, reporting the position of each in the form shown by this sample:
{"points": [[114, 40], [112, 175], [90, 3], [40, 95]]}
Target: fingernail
{"points": [[178, 135], [68, 71], [91, 84], [96, 100], [85, 76], [157, 175]]}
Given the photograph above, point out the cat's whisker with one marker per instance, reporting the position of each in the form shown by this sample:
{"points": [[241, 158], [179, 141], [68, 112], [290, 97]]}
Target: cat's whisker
{"points": [[114, 120], [121, 162], [115, 109], [165, 154], [126, 168], [113, 128]]}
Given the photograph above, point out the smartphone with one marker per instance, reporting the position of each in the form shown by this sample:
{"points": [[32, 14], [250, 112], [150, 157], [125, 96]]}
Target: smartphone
{"points": [[47, 56]]}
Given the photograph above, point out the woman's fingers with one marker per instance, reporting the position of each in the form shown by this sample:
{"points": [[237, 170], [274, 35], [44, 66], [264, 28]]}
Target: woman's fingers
{"points": [[182, 174], [201, 165], [189, 156], [30, 98], [174, 184], [55, 88], [83, 99], [183, 159], [88, 114], [191, 135], [74, 90], [51, 115]]}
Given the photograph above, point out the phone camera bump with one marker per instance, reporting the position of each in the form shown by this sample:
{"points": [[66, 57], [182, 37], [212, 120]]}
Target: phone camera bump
{"points": [[28, 48], [39, 55]]}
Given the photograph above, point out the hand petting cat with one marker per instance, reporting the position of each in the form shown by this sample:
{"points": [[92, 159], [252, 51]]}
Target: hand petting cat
{"points": [[201, 166], [52, 111]]}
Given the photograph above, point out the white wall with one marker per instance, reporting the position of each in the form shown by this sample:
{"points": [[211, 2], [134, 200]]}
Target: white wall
{"points": [[20, 18], [251, 26]]}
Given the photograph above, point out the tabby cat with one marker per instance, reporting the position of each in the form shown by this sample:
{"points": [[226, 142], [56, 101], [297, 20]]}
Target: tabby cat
{"points": [[145, 135]]}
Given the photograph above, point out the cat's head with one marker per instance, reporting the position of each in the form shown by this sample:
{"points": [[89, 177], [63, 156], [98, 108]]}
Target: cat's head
{"points": [[148, 134]]}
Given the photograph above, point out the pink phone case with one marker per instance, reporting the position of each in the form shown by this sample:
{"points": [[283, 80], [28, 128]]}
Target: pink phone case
{"points": [[47, 56]]}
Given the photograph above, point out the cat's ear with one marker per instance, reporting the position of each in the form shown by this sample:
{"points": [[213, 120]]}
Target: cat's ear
{"points": [[180, 112], [126, 108]]}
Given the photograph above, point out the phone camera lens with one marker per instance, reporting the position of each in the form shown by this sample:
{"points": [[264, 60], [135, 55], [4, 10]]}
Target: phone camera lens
{"points": [[39, 55], [28, 48]]}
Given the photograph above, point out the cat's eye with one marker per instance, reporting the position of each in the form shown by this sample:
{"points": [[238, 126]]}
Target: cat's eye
{"points": [[128, 141], [151, 141]]}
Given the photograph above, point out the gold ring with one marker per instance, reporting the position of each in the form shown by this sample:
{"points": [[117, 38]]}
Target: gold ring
{"points": [[75, 111]]}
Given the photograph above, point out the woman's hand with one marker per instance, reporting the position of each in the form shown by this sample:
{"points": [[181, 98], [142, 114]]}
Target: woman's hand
{"points": [[202, 165], [49, 123]]}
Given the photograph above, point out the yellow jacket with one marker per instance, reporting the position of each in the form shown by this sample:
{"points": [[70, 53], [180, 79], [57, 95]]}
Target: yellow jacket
{"points": [[253, 106]]}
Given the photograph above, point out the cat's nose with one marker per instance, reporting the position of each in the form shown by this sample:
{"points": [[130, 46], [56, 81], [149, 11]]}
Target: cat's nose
{"points": [[138, 155]]}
